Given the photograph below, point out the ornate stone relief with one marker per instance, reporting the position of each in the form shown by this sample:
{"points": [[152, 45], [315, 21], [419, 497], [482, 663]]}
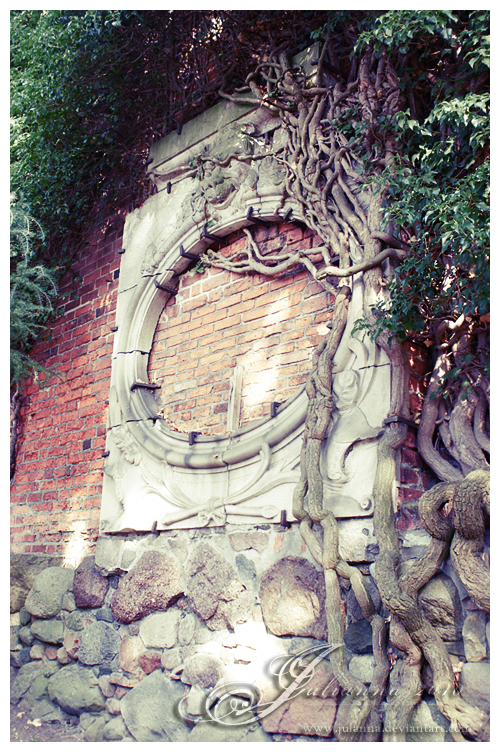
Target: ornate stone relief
{"points": [[157, 479]]}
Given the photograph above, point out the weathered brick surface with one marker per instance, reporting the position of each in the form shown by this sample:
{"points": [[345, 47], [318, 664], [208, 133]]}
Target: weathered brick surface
{"points": [[56, 491], [220, 320]]}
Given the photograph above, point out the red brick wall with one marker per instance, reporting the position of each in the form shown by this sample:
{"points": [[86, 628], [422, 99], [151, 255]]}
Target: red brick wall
{"points": [[56, 491], [415, 476], [219, 320]]}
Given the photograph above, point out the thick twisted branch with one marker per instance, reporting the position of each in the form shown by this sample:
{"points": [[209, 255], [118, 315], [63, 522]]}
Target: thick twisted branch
{"points": [[322, 178]]}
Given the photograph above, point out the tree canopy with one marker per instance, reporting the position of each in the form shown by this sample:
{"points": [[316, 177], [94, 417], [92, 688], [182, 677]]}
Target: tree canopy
{"points": [[91, 90]]}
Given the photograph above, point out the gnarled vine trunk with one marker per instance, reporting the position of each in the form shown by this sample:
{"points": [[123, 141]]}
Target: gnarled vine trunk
{"points": [[326, 177]]}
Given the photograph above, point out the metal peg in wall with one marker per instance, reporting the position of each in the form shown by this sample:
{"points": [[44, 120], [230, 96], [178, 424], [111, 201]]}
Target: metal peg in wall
{"points": [[192, 437], [283, 520], [257, 220], [186, 254], [141, 385], [166, 288], [274, 408], [206, 235]]}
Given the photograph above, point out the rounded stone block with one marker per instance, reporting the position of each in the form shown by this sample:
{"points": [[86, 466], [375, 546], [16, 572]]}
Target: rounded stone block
{"points": [[153, 585], [160, 630], [292, 595], [75, 689], [45, 597], [149, 710], [89, 586]]}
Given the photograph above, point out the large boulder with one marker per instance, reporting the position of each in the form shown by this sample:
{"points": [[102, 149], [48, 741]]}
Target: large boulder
{"points": [[76, 690], [150, 710], [23, 570], [89, 586], [475, 684], [99, 644], [25, 677], [45, 598], [131, 649], [423, 727], [48, 630], [214, 589], [474, 633], [292, 596], [153, 585], [311, 709], [202, 669], [358, 637], [115, 730]]}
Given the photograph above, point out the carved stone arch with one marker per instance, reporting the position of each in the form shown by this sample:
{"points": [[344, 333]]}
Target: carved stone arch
{"points": [[156, 478], [137, 403]]}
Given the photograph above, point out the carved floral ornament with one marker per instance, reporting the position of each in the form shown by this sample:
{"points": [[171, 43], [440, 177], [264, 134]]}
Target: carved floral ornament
{"points": [[156, 478]]}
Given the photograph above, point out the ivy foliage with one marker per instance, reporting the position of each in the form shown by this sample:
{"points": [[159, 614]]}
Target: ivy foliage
{"points": [[32, 291], [91, 90], [437, 185]]}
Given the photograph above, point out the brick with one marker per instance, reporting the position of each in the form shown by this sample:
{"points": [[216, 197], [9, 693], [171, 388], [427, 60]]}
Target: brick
{"points": [[313, 304], [410, 476], [218, 319], [295, 357], [227, 323]]}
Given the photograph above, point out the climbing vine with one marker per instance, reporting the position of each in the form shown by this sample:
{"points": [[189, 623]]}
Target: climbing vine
{"points": [[386, 158], [392, 176]]}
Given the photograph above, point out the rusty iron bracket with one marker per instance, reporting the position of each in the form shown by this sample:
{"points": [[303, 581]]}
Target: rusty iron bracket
{"points": [[284, 523], [166, 288], [212, 238], [186, 254]]}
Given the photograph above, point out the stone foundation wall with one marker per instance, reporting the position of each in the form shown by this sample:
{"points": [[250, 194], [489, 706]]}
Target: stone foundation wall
{"points": [[145, 649]]}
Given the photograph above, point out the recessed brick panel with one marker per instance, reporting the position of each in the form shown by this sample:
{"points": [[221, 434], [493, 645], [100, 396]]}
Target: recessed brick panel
{"points": [[220, 320]]}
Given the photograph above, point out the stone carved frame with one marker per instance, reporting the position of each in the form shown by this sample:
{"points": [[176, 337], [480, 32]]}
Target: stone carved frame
{"points": [[156, 478]]}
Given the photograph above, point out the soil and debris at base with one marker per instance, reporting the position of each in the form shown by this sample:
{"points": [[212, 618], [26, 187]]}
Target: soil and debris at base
{"points": [[24, 729]]}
